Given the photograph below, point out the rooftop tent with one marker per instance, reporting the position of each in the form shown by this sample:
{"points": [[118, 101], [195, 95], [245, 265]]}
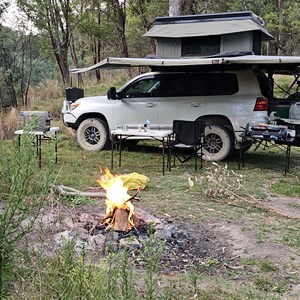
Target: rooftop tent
{"points": [[203, 25], [208, 34]]}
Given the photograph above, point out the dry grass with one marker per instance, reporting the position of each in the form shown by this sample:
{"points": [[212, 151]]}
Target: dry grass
{"points": [[8, 123], [44, 91], [48, 95]]}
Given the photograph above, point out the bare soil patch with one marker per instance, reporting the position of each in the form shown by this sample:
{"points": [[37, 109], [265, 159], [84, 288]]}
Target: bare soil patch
{"points": [[285, 205], [186, 243]]}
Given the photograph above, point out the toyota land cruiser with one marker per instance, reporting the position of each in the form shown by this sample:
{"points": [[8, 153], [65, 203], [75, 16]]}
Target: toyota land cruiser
{"points": [[226, 100]]}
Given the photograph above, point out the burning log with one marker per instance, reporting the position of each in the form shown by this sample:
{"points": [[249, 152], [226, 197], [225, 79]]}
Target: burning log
{"points": [[121, 220], [119, 209]]}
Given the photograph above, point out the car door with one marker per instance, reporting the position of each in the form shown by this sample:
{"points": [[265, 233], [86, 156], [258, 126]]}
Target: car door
{"points": [[138, 102], [182, 98]]}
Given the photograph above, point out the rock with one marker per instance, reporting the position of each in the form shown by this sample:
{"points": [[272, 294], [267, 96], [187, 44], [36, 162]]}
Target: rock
{"points": [[63, 237], [130, 243], [68, 223], [81, 246], [165, 231], [112, 243], [97, 241], [47, 220], [86, 218], [145, 216]]}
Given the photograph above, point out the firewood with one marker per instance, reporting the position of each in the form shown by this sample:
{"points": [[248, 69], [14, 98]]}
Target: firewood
{"points": [[66, 190], [136, 221], [121, 220]]}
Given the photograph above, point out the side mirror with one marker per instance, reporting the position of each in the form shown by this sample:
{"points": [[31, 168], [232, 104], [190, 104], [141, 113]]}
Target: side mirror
{"points": [[112, 93]]}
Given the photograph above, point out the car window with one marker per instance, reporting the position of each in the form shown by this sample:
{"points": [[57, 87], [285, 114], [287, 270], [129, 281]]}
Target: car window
{"points": [[198, 84], [148, 87], [221, 84]]}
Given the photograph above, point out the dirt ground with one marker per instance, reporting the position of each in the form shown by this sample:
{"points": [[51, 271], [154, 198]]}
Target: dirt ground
{"points": [[222, 245], [223, 237]]}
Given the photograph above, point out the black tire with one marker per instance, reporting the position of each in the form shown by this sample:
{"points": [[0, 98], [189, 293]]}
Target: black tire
{"points": [[92, 135], [219, 143]]}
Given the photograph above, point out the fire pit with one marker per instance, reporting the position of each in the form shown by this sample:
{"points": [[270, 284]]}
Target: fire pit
{"points": [[119, 209], [96, 232]]}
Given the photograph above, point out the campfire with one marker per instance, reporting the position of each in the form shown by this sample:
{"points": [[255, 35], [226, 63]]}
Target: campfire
{"points": [[119, 208], [131, 228]]}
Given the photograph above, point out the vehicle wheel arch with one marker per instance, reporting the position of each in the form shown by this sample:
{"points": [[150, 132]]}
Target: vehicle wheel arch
{"points": [[220, 127], [217, 120], [91, 116]]}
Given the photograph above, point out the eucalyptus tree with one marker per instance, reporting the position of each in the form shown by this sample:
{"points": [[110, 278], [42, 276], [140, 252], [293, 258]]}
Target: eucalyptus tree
{"points": [[55, 19], [96, 33], [176, 7], [8, 95], [140, 18], [281, 20]]}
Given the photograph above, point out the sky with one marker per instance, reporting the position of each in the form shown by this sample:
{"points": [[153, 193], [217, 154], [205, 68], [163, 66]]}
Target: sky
{"points": [[13, 17]]}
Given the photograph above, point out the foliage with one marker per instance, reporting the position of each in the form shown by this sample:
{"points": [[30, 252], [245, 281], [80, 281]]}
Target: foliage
{"points": [[152, 253], [80, 33], [21, 65], [169, 196], [56, 19], [23, 191], [70, 275]]}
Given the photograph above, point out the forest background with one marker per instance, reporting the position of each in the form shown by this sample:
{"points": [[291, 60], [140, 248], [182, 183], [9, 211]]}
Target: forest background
{"points": [[77, 33]]}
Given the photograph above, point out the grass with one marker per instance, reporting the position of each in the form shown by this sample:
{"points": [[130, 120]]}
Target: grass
{"points": [[221, 195], [172, 197]]}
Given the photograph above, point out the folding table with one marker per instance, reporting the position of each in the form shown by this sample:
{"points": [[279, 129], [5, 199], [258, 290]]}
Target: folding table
{"points": [[40, 135], [118, 135]]}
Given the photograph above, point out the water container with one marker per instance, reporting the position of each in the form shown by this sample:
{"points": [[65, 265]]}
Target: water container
{"points": [[294, 112], [148, 124]]}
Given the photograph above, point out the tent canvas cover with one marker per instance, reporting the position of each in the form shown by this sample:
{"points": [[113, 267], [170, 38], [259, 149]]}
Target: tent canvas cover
{"points": [[277, 64]]}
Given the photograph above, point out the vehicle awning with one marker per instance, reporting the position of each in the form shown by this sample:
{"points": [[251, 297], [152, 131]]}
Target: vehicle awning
{"points": [[280, 64], [205, 28]]}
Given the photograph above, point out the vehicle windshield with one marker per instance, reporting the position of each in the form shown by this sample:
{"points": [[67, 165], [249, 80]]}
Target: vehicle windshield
{"points": [[147, 87]]}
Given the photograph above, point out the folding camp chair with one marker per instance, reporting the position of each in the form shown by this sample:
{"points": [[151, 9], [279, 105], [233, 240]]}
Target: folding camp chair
{"points": [[188, 141]]}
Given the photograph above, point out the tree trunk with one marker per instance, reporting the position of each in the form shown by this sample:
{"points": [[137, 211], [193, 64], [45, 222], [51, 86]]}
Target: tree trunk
{"points": [[175, 7], [280, 8], [9, 81], [97, 56], [121, 8]]}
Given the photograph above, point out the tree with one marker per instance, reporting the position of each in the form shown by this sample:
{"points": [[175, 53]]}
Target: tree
{"points": [[7, 62], [116, 12], [140, 18], [53, 17], [175, 7]]}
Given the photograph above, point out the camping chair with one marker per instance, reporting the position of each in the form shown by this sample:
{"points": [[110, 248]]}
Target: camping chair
{"points": [[188, 141]]}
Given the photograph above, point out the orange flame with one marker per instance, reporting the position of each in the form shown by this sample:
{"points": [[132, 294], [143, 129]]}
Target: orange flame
{"points": [[116, 195]]}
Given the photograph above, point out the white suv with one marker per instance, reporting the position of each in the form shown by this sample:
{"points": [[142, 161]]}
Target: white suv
{"points": [[226, 100]]}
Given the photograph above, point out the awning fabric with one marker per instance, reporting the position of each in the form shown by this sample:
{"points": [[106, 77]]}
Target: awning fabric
{"points": [[276, 62], [205, 28]]}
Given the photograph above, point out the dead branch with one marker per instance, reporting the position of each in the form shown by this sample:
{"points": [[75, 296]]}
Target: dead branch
{"points": [[134, 197], [65, 190], [255, 202]]}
